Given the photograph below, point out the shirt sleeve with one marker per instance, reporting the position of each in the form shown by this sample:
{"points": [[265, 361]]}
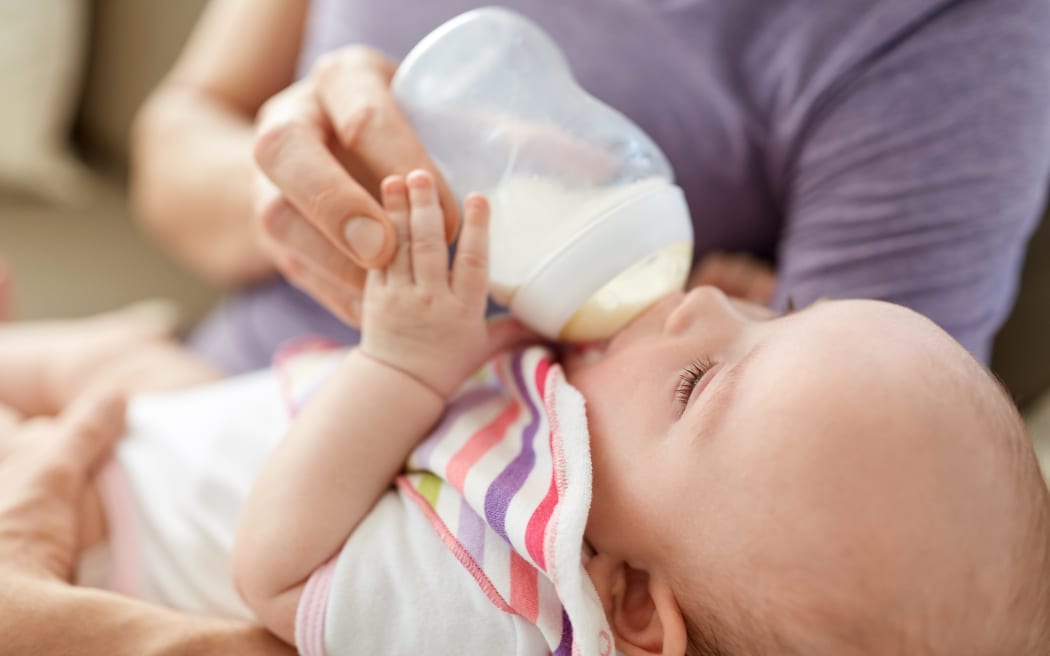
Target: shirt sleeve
{"points": [[396, 588], [919, 179]]}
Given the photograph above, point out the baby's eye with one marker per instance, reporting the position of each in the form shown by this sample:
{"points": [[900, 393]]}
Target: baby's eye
{"points": [[688, 380]]}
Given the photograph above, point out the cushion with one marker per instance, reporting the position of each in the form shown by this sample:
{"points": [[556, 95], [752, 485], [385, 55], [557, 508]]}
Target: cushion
{"points": [[41, 54]]}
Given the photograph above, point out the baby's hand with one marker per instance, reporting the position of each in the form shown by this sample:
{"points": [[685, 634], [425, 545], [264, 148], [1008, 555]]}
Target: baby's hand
{"points": [[418, 316]]}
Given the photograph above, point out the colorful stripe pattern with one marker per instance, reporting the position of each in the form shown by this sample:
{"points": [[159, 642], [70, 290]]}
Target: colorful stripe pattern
{"points": [[505, 481]]}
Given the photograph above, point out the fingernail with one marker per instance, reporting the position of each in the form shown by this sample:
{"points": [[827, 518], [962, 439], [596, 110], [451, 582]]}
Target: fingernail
{"points": [[364, 236]]}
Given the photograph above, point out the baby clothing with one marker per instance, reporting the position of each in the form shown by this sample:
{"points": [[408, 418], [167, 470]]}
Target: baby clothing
{"points": [[477, 550], [175, 487], [505, 482]]}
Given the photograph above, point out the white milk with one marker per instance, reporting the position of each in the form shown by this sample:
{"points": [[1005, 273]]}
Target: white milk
{"points": [[533, 216]]}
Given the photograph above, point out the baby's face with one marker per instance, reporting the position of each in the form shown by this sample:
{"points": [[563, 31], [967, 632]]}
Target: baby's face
{"points": [[796, 466]]}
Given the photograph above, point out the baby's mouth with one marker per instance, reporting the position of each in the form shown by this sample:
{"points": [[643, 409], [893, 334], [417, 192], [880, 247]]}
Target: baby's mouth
{"points": [[580, 356], [591, 352]]}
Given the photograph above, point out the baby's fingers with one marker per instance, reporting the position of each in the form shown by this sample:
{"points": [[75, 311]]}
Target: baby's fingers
{"points": [[426, 227], [395, 202], [470, 271]]}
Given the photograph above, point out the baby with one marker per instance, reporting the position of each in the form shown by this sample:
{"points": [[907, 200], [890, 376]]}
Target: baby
{"points": [[845, 479]]}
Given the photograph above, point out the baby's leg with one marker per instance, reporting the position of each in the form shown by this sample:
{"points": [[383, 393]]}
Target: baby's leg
{"points": [[45, 365]]}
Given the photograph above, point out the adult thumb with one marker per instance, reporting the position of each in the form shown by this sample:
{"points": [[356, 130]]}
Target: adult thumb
{"points": [[94, 424]]}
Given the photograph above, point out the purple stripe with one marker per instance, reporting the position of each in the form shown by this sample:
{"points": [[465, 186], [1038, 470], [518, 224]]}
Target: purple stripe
{"points": [[510, 480], [565, 646], [463, 404], [471, 532]]}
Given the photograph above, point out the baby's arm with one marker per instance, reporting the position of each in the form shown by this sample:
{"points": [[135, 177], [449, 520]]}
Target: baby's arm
{"points": [[423, 333]]}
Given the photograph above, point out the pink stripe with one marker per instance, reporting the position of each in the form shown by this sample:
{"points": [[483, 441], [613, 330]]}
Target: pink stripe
{"points": [[114, 492], [478, 445], [313, 606], [457, 549], [537, 527], [524, 592], [536, 530], [558, 457], [542, 369]]}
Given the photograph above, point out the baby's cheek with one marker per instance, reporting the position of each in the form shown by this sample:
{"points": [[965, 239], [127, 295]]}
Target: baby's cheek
{"points": [[624, 509]]}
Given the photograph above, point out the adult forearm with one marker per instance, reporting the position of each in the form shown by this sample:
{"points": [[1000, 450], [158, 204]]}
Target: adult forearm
{"points": [[41, 617], [192, 181]]}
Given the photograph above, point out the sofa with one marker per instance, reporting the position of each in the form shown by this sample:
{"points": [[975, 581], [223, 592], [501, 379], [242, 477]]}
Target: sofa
{"points": [[75, 258]]}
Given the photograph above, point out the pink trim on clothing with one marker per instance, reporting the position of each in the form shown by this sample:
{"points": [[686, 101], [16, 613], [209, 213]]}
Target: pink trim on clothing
{"points": [[114, 492], [313, 607], [457, 549]]}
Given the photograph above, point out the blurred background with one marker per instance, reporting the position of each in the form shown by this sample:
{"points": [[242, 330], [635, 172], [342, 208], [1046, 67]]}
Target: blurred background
{"points": [[72, 74]]}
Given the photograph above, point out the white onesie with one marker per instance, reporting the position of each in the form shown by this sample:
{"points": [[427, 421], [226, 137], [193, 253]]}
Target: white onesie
{"points": [[173, 494]]}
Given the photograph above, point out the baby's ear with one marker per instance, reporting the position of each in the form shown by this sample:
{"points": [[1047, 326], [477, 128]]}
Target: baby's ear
{"points": [[641, 608]]}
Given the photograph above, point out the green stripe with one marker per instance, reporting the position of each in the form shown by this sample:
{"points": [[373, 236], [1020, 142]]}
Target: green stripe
{"points": [[430, 487]]}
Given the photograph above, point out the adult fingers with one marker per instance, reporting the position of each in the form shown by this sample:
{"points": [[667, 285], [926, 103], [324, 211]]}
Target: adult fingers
{"points": [[94, 424], [354, 87], [342, 301], [287, 232], [470, 270], [737, 274], [42, 481], [291, 150]]}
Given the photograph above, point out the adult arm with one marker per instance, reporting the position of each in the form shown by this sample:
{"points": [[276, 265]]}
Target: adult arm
{"points": [[40, 616], [193, 174], [242, 171], [45, 466], [920, 179]]}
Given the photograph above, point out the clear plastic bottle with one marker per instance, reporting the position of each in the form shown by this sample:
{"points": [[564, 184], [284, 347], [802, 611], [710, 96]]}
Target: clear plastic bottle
{"points": [[588, 228]]}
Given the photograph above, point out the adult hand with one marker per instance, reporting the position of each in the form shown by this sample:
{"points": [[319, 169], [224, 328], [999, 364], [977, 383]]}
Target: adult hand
{"points": [[322, 147], [738, 275], [45, 466]]}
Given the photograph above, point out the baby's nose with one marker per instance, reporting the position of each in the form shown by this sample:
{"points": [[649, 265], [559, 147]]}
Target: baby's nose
{"points": [[705, 303]]}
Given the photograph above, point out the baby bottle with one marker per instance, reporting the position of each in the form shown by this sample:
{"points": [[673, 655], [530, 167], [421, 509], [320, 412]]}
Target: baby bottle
{"points": [[588, 228]]}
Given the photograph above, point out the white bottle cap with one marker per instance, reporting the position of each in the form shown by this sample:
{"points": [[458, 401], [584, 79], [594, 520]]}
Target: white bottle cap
{"points": [[611, 244]]}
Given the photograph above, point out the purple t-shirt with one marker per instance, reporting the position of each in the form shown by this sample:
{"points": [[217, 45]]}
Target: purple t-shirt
{"points": [[889, 149]]}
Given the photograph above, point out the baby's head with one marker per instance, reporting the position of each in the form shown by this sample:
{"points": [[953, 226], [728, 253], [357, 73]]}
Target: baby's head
{"points": [[842, 480]]}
